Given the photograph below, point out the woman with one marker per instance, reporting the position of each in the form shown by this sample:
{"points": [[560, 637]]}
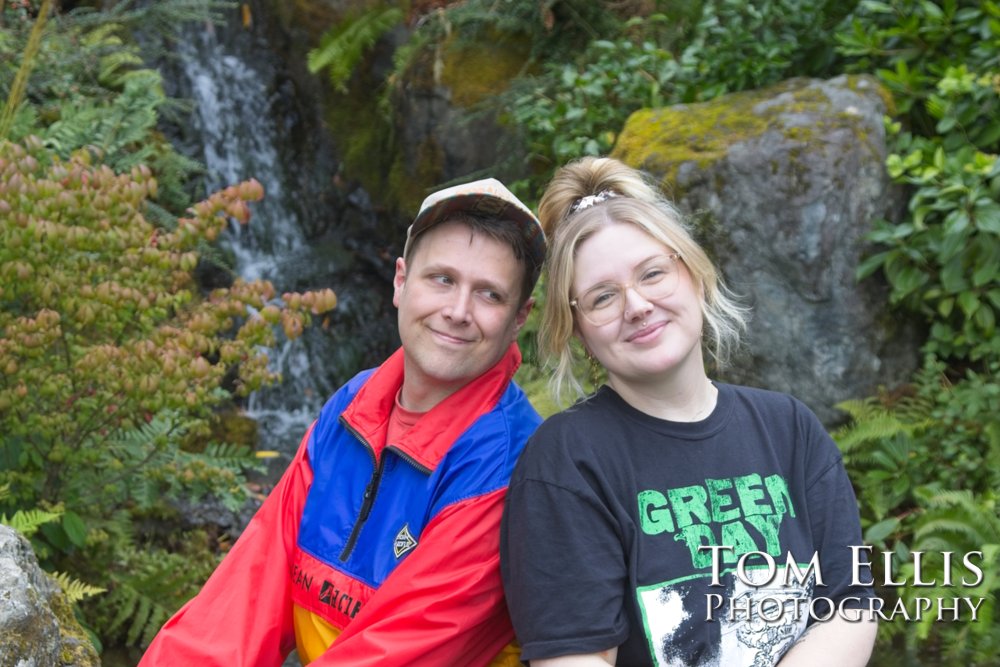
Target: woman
{"points": [[669, 519]]}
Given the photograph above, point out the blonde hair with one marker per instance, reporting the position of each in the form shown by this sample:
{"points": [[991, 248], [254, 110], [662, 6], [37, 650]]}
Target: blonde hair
{"points": [[619, 194]]}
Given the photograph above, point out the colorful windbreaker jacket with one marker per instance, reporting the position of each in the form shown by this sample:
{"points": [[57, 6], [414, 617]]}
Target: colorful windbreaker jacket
{"points": [[367, 552]]}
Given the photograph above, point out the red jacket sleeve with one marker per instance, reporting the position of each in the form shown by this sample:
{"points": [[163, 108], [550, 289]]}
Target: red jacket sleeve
{"points": [[443, 605], [242, 617]]}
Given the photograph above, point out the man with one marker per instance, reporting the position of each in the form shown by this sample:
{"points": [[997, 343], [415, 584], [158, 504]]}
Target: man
{"points": [[379, 546]]}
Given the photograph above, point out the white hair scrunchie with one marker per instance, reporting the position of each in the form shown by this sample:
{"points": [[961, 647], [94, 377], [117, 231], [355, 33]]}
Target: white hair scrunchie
{"points": [[584, 203]]}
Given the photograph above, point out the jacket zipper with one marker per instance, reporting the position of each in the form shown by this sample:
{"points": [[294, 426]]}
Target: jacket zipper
{"points": [[370, 492], [372, 489]]}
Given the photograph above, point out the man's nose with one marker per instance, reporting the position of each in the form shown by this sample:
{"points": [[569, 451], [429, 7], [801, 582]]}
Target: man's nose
{"points": [[459, 309]]}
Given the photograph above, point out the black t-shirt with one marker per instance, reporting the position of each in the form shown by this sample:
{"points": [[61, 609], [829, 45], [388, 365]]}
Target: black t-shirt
{"points": [[608, 507]]}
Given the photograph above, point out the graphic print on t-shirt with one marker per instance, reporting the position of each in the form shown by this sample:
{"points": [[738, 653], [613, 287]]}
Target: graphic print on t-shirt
{"points": [[757, 614], [741, 512], [757, 623]]}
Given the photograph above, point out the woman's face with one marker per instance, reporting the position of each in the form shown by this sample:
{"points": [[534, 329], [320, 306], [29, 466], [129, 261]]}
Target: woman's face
{"points": [[647, 339]]}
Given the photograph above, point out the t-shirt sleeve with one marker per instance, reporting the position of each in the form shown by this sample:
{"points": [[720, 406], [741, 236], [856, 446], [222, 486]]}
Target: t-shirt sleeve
{"points": [[563, 566], [835, 524]]}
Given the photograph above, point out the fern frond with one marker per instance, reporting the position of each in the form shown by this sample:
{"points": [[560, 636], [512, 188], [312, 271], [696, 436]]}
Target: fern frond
{"points": [[125, 599], [140, 620], [876, 426], [952, 498], [120, 130], [870, 422], [27, 522], [106, 34], [949, 529], [149, 588], [342, 47], [224, 451], [74, 589], [117, 67]]}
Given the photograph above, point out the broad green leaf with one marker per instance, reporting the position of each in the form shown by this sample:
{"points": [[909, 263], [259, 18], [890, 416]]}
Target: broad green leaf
{"points": [[869, 265], [986, 272], [988, 217], [881, 530], [986, 319], [969, 303], [76, 529]]}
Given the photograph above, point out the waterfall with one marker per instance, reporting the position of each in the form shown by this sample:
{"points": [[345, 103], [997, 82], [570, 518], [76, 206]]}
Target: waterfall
{"points": [[248, 121], [240, 139]]}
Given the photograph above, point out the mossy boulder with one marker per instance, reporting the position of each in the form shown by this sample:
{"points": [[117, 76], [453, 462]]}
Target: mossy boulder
{"points": [[37, 625], [444, 132], [783, 184]]}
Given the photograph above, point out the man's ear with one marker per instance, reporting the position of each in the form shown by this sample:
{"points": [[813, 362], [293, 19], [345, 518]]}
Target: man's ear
{"points": [[522, 314], [398, 280]]}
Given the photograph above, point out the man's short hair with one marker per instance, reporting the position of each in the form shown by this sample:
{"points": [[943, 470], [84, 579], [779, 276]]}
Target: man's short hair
{"points": [[488, 207]]}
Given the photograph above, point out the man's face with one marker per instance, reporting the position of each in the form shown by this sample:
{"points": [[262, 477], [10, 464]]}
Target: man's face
{"points": [[458, 310]]}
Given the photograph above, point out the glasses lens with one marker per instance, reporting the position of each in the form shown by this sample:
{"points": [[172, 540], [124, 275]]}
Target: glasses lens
{"points": [[656, 279]]}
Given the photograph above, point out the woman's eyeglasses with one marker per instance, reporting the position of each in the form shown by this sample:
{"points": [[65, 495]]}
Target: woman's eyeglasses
{"points": [[604, 303]]}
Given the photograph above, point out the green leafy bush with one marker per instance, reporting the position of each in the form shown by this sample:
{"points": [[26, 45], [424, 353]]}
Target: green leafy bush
{"points": [[693, 52], [88, 87], [112, 362], [906, 457], [943, 260], [572, 109], [941, 61]]}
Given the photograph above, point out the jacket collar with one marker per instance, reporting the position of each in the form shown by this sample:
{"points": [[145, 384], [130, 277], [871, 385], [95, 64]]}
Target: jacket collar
{"points": [[432, 436]]}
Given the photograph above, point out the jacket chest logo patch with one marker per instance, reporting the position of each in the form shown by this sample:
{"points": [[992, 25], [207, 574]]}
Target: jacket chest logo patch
{"points": [[404, 541]]}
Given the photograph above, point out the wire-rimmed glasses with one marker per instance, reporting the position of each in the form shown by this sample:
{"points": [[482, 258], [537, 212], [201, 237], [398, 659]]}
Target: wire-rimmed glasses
{"points": [[655, 278]]}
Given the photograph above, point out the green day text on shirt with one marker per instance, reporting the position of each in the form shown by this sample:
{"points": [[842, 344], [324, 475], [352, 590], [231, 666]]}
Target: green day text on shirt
{"points": [[742, 512]]}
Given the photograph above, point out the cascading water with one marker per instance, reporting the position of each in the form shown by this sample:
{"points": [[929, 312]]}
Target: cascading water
{"points": [[239, 139], [247, 122], [233, 117]]}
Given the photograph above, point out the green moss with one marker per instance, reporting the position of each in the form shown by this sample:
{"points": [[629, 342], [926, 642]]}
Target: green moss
{"points": [[363, 134], [410, 183], [477, 71], [76, 647], [232, 426], [862, 83], [660, 141]]}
